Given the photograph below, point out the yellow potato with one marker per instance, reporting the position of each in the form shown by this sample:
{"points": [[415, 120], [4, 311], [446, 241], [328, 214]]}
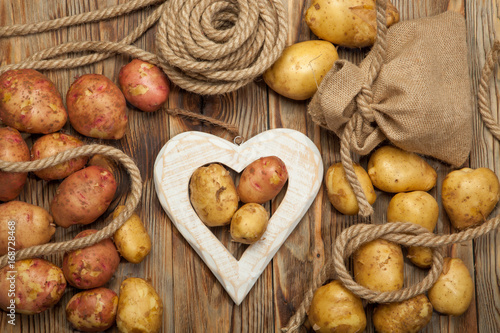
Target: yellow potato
{"points": [[378, 265], [335, 309], [469, 196], [340, 192], [249, 223], [394, 170], [351, 23], [452, 293], [132, 239], [300, 69], [420, 208]]}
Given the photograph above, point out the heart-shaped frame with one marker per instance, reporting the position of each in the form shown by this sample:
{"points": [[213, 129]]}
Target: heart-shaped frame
{"points": [[186, 152]]}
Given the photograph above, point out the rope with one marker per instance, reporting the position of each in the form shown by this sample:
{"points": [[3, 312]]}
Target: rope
{"points": [[483, 94]]}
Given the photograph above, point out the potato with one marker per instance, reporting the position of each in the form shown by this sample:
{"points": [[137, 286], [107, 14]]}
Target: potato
{"points": [[351, 23], [97, 107], [131, 239], [213, 195], [336, 309], [92, 266], [300, 69], [452, 293], [83, 196], [262, 180], [420, 208], [52, 144], [340, 192], [31, 286], [409, 316], [144, 85], [469, 196], [394, 170], [13, 149], [249, 223], [378, 265], [30, 102], [140, 309], [23, 225], [92, 310]]}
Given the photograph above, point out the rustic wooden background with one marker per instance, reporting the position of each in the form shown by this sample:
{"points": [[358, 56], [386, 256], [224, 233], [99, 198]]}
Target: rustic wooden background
{"points": [[194, 301]]}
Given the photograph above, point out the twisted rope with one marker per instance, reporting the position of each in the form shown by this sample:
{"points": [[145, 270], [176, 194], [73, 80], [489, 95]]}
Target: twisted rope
{"points": [[483, 94]]}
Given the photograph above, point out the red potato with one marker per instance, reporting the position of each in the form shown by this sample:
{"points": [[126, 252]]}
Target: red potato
{"points": [[262, 180], [97, 107], [52, 144], [92, 266], [30, 102], [83, 196], [31, 286], [144, 85], [14, 149]]}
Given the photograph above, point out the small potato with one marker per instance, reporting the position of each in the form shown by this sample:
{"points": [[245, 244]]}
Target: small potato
{"points": [[351, 23], [83, 196], [249, 223], [262, 180], [409, 316], [92, 310], [213, 195], [13, 148], [379, 266], [52, 144], [32, 225], [140, 309], [144, 85], [132, 239], [469, 196], [30, 102], [340, 192], [452, 293], [420, 208], [300, 69], [394, 170], [37, 283], [92, 266], [336, 309], [97, 107]]}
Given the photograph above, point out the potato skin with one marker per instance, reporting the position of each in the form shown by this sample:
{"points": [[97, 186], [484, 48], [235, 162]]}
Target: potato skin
{"points": [[92, 310], [249, 223], [262, 180], [97, 107], [140, 309], [300, 69], [33, 225], [13, 148], [144, 85], [83, 196], [92, 266], [132, 239], [379, 265], [340, 192], [453, 291], [336, 309], [39, 285], [469, 196], [394, 170], [409, 316], [213, 195], [30, 102], [52, 144]]}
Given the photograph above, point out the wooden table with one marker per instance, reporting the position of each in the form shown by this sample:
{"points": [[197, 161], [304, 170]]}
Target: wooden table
{"points": [[192, 297]]}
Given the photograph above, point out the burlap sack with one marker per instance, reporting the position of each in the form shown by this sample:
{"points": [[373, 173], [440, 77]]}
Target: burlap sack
{"points": [[421, 97]]}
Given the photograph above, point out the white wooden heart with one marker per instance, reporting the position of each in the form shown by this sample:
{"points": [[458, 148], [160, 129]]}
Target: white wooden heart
{"points": [[186, 152]]}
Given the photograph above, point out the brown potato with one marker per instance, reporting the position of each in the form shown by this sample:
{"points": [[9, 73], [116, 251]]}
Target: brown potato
{"points": [[249, 223], [340, 192], [13, 149], [30, 102], [469, 196]]}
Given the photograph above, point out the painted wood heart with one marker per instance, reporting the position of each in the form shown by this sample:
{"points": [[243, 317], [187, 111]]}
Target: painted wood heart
{"points": [[186, 152]]}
